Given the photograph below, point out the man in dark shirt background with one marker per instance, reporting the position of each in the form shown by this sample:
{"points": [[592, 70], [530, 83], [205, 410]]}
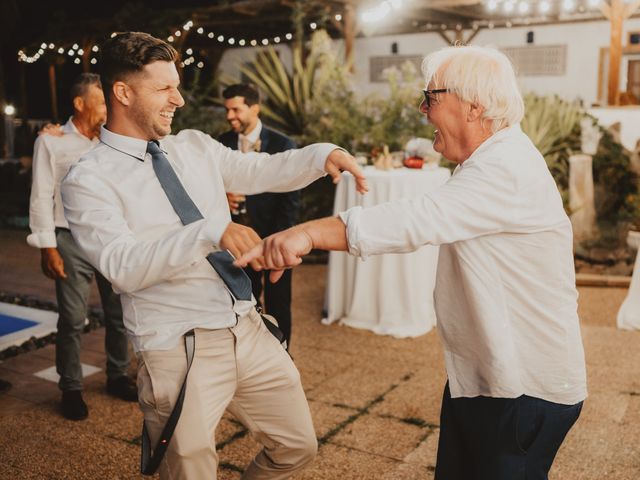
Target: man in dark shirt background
{"points": [[267, 213]]}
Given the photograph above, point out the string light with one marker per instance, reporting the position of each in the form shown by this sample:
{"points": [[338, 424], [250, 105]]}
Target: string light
{"points": [[338, 17]]}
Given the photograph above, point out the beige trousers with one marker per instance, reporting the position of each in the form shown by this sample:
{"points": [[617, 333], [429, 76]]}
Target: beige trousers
{"points": [[243, 369]]}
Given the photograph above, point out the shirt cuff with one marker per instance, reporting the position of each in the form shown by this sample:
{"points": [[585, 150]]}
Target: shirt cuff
{"points": [[324, 150], [351, 219], [42, 240], [213, 229]]}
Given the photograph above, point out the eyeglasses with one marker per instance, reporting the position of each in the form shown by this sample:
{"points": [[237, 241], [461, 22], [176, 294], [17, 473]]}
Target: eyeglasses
{"points": [[429, 100]]}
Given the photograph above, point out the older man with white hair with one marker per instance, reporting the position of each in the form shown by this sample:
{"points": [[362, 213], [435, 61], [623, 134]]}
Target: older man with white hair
{"points": [[505, 292]]}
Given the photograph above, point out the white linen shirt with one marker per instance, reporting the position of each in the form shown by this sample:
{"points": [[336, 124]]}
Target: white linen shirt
{"points": [[125, 224], [52, 158], [505, 296]]}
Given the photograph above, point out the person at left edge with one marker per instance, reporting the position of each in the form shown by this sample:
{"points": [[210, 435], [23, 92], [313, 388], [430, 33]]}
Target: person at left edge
{"points": [[61, 258], [124, 221]]}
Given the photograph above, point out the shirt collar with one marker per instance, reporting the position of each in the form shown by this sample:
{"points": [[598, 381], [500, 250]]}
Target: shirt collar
{"points": [[70, 127], [495, 138], [134, 147], [255, 133]]}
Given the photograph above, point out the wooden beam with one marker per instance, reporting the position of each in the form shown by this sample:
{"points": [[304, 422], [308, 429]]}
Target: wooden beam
{"points": [[349, 31], [615, 51], [54, 92], [471, 36], [444, 35], [462, 15], [630, 8]]}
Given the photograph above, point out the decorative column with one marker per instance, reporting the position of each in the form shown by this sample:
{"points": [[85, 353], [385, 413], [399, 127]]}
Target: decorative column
{"points": [[581, 197]]}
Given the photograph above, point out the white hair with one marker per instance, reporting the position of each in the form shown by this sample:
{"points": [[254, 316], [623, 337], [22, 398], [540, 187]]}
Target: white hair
{"points": [[479, 75]]}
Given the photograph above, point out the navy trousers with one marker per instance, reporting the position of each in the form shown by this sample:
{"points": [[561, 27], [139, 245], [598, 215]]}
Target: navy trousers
{"points": [[483, 438]]}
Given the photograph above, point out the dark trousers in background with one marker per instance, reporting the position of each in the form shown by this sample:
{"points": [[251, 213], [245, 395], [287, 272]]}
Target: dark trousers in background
{"points": [[72, 294], [484, 438], [277, 297]]}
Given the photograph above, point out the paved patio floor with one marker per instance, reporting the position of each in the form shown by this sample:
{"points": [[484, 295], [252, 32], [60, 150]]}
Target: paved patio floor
{"points": [[374, 399]]}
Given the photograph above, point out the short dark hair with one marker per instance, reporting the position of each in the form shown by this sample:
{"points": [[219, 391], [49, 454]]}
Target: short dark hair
{"points": [[81, 84], [248, 91], [127, 53]]}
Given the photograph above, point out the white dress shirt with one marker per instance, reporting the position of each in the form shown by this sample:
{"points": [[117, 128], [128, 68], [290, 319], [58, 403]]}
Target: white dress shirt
{"points": [[125, 224], [505, 296], [252, 137], [52, 158]]}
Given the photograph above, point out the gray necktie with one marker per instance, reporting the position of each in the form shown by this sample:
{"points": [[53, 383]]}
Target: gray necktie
{"points": [[236, 280]]}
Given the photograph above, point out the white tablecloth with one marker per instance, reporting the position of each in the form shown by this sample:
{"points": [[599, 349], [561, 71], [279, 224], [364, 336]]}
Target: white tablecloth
{"points": [[389, 294], [629, 313]]}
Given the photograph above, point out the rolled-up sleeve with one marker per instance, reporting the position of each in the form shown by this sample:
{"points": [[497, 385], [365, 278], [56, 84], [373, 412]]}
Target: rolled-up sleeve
{"points": [[41, 203], [471, 204]]}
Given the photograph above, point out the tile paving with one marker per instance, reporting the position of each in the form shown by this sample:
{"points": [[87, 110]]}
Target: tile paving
{"points": [[374, 400]]}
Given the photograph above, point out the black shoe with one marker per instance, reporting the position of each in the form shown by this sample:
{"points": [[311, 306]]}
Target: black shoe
{"points": [[123, 387], [73, 406]]}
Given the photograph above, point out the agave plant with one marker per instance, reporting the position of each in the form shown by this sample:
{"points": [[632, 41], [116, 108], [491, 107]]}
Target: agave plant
{"points": [[553, 126], [287, 93]]}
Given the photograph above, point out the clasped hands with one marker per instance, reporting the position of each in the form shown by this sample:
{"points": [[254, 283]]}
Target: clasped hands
{"points": [[285, 249]]}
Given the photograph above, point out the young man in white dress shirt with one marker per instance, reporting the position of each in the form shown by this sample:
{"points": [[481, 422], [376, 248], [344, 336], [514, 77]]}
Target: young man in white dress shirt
{"points": [[63, 261], [122, 218], [505, 291]]}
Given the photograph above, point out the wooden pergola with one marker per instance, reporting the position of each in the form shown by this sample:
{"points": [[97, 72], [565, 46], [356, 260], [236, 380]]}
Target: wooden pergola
{"points": [[456, 21]]}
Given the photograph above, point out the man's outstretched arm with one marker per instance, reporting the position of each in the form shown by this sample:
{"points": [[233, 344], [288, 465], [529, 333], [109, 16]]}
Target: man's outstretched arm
{"points": [[286, 249]]}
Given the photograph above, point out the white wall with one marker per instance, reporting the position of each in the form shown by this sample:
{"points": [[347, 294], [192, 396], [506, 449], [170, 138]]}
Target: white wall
{"points": [[583, 41], [234, 58]]}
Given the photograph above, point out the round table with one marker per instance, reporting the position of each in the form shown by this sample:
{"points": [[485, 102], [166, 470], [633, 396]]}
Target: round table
{"points": [[390, 294]]}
